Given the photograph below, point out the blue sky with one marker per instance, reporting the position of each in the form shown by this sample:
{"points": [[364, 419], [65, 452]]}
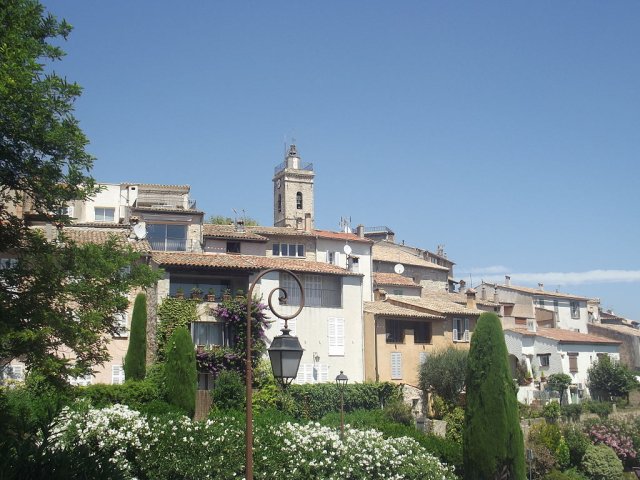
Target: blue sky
{"points": [[507, 131]]}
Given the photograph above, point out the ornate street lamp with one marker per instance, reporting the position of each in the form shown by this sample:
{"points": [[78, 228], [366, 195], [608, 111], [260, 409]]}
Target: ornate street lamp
{"points": [[341, 381], [285, 354]]}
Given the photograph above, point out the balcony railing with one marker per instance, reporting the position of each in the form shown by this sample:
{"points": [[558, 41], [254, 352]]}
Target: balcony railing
{"points": [[283, 165], [169, 244]]}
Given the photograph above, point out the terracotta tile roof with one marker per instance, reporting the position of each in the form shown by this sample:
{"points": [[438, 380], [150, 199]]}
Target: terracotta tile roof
{"points": [[229, 231], [564, 336], [460, 298], [245, 262], [159, 186], [101, 225], [288, 231], [389, 252], [388, 309], [100, 236], [394, 279], [435, 304], [538, 292], [625, 329]]}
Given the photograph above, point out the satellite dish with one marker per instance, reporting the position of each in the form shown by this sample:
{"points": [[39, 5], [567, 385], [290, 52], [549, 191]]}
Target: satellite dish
{"points": [[347, 249], [399, 268], [140, 231]]}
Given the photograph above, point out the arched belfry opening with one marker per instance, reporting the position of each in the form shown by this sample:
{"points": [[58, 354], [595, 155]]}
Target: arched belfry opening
{"points": [[293, 196]]}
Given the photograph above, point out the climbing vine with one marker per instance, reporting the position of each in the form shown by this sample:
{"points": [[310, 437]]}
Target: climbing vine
{"points": [[174, 313], [234, 313]]}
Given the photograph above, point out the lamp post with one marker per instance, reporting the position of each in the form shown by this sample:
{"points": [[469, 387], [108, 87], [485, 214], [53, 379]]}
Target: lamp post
{"points": [[285, 354], [341, 381]]}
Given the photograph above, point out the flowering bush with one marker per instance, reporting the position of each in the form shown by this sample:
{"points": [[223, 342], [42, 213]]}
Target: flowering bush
{"points": [[176, 447], [613, 436]]}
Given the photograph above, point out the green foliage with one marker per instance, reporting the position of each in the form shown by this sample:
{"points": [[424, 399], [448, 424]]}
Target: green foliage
{"points": [[602, 409], [313, 401], [549, 436], [44, 158], [559, 382], [601, 463], [180, 371], [609, 379], [134, 393], [222, 220], [570, 474], [446, 450], [229, 391], [455, 424], [571, 412], [399, 412], [577, 442], [172, 314], [493, 440], [443, 373], [551, 411], [135, 362]]}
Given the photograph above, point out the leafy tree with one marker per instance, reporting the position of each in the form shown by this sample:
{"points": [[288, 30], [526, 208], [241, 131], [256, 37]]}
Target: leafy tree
{"points": [[493, 445], [444, 374], [610, 379], [44, 165], [180, 371], [559, 382], [135, 362], [222, 220]]}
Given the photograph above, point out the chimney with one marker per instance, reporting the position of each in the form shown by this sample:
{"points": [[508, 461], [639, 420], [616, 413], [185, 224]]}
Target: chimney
{"points": [[307, 222], [380, 295], [463, 286], [496, 298], [483, 293], [360, 231], [541, 286], [471, 298], [507, 280]]}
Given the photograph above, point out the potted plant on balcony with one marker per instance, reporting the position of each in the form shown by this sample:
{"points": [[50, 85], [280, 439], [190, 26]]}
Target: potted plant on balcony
{"points": [[211, 295], [196, 293], [180, 293], [226, 296]]}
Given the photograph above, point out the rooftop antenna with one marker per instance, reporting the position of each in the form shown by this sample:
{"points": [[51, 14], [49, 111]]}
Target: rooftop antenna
{"points": [[345, 224]]}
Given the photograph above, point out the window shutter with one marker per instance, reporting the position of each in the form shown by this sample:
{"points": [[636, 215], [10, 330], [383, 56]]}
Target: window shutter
{"points": [[117, 374], [336, 336], [324, 372], [466, 329], [455, 329], [305, 373], [396, 366]]}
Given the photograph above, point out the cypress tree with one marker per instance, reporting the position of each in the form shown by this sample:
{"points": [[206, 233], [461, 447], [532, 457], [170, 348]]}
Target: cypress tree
{"points": [[180, 371], [135, 362], [493, 445]]}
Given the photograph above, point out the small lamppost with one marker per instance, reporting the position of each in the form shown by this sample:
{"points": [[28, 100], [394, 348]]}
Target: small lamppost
{"points": [[285, 354], [341, 381]]}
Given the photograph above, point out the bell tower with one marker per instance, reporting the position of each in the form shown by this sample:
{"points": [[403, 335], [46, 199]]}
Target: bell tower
{"points": [[293, 193]]}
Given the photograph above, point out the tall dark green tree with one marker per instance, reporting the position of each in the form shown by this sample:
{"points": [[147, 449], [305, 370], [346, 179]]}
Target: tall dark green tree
{"points": [[493, 446], [180, 371], [43, 166], [135, 362]]}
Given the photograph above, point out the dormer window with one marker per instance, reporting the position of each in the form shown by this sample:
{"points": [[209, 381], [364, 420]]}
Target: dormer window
{"points": [[299, 200]]}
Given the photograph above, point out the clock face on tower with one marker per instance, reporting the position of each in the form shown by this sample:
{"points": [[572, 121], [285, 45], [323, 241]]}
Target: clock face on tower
{"points": [[278, 183]]}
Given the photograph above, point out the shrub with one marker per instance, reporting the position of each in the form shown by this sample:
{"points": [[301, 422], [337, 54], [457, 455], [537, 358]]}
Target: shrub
{"points": [[559, 382], [229, 391], [399, 412], [613, 435], [551, 411], [132, 393], [180, 371], [492, 437], [571, 412], [601, 463], [549, 436], [444, 374], [135, 361], [577, 442], [602, 409], [570, 474], [455, 424]]}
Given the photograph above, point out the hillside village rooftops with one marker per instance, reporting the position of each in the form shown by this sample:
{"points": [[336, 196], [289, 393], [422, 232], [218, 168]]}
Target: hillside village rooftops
{"points": [[391, 310], [393, 279], [621, 328], [100, 236], [460, 298], [258, 232], [245, 262], [539, 293], [230, 231], [436, 304], [390, 252], [564, 336]]}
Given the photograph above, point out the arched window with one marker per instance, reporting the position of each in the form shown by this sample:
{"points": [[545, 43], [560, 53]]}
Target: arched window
{"points": [[299, 200], [279, 203]]}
